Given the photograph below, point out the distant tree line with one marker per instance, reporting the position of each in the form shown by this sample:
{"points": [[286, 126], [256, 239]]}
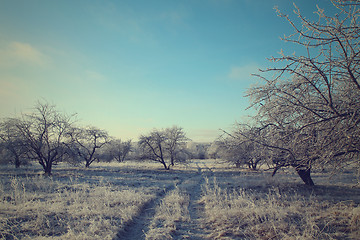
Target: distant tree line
{"points": [[47, 136]]}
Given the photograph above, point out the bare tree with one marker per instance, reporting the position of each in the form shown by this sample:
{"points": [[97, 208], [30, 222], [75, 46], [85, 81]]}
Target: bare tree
{"points": [[119, 150], [13, 141], [214, 150], [152, 147], [44, 133], [86, 142], [162, 146], [175, 142], [310, 109], [198, 150], [240, 148]]}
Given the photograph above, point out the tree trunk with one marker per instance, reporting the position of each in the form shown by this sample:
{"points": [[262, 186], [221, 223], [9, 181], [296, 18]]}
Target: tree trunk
{"points": [[252, 165], [17, 161], [47, 169], [165, 166], [305, 176]]}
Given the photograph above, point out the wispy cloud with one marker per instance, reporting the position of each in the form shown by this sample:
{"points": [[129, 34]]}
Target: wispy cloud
{"points": [[14, 92], [243, 72], [92, 79], [95, 76], [17, 53]]}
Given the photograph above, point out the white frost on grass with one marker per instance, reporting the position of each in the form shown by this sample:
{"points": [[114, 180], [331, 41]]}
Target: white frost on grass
{"points": [[172, 210], [274, 214], [41, 207]]}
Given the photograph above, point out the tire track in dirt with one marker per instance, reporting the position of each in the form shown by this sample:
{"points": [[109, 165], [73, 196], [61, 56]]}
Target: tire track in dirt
{"points": [[194, 229], [137, 228]]}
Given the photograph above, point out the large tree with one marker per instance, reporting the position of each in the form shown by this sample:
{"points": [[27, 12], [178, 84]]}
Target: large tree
{"points": [[163, 146], [44, 132], [309, 110]]}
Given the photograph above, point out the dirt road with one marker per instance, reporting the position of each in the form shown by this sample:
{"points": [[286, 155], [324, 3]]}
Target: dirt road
{"points": [[189, 184]]}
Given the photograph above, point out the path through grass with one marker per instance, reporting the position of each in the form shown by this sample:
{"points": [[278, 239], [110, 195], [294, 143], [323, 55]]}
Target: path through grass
{"points": [[201, 200]]}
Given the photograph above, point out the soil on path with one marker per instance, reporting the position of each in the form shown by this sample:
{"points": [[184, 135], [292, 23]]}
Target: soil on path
{"points": [[140, 224], [194, 229]]}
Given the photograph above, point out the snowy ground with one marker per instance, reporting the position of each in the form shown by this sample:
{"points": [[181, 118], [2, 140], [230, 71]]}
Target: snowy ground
{"points": [[193, 201]]}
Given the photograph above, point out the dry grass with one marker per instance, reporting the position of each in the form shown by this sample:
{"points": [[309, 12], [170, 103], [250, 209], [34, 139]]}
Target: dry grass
{"points": [[104, 202], [38, 207], [172, 209], [277, 215]]}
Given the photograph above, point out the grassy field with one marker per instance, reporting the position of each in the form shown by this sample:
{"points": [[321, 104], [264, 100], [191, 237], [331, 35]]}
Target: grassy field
{"points": [[204, 199]]}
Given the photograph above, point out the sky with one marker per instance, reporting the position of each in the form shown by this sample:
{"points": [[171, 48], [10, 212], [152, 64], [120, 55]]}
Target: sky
{"points": [[129, 66]]}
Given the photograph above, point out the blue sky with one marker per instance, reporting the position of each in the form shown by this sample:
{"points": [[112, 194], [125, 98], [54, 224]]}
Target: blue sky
{"points": [[131, 66]]}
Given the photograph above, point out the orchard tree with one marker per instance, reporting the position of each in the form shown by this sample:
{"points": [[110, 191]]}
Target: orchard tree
{"points": [[86, 142], [198, 150], [163, 146], [309, 111], [239, 148], [175, 142], [119, 150], [44, 134], [152, 147], [12, 141], [214, 150]]}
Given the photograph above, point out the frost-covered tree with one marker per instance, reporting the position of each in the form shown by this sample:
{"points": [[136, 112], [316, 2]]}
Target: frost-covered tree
{"points": [[44, 134], [239, 148], [86, 141], [119, 150], [165, 146], [309, 107], [12, 142]]}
